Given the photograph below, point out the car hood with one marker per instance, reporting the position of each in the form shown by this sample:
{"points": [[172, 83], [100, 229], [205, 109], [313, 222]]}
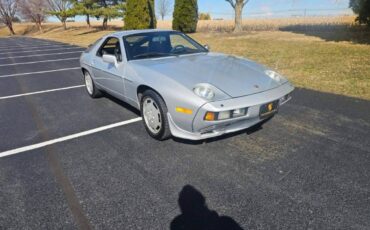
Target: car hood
{"points": [[235, 76]]}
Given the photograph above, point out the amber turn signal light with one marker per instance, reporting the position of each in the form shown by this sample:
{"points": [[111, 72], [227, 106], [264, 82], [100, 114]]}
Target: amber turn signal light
{"points": [[183, 110], [210, 116]]}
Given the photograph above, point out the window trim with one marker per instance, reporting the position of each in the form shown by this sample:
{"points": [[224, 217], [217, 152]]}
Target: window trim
{"points": [[104, 43]]}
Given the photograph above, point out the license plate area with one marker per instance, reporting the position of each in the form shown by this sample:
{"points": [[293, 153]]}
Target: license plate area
{"points": [[269, 109]]}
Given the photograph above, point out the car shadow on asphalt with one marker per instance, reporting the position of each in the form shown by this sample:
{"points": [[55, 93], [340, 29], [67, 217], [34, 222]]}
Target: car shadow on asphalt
{"points": [[123, 104], [195, 215]]}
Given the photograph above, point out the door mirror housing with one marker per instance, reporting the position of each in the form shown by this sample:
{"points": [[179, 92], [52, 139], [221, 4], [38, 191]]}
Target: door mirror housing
{"points": [[110, 59], [207, 47]]}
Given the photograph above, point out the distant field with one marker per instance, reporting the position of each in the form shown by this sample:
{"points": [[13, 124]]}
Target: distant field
{"points": [[322, 53], [223, 25]]}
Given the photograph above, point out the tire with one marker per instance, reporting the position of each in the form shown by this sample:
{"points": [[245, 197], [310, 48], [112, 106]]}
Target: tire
{"points": [[154, 114], [90, 86]]}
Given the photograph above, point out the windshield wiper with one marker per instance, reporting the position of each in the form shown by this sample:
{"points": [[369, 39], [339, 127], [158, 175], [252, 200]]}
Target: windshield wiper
{"points": [[153, 54], [188, 52]]}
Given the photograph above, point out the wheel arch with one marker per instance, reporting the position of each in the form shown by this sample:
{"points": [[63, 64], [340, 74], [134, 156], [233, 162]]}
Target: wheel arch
{"points": [[142, 88]]}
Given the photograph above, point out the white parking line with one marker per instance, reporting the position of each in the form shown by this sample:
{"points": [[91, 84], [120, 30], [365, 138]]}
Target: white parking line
{"points": [[66, 138], [14, 45], [42, 50], [39, 55], [33, 47], [40, 92], [46, 71], [33, 62], [32, 43]]}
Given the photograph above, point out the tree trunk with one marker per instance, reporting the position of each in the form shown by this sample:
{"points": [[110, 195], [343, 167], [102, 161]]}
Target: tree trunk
{"points": [[9, 24], [38, 24], [238, 17], [88, 21], [64, 24], [105, 23]]}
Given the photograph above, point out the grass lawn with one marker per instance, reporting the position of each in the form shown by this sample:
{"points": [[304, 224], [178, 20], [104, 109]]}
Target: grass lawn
{"points": [[322, 61]]}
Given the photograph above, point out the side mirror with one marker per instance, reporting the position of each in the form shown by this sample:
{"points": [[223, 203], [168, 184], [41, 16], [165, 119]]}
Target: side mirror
{"points": [[207, 47], [110, 59]]}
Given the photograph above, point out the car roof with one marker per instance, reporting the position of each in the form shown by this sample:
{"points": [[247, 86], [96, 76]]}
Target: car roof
{"points": [[132, 32]]}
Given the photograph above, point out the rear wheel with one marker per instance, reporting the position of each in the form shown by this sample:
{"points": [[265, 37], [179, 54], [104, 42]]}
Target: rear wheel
{"points": [[154, 114], [90, 86]]}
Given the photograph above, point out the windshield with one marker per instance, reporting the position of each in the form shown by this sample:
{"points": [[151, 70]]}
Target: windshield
{"points": [[160, 44]]}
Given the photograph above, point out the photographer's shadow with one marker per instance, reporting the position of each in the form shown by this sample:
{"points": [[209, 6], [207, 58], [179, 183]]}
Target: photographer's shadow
{"points": [[195, 214]]}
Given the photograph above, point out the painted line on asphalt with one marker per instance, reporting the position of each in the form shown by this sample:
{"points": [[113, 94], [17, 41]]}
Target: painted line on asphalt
{"points": [[38, 72], [34, 62], [31, 48], [12, 45], [39, 55], [33, 44], [40, 92], [8, 44], [66, 138], [43, 50], [33, 41]]}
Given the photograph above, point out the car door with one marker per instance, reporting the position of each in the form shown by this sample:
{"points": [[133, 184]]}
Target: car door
{"points": [[107, 75]]}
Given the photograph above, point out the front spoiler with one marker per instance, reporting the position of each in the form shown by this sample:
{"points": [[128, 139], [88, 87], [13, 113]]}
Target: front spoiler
{"points": [[234, 127], [206, 129]]}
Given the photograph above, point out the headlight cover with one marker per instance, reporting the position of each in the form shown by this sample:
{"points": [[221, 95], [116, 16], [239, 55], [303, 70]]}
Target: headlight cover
{"points": [[209, 92], [204, 91], [275, 76]]}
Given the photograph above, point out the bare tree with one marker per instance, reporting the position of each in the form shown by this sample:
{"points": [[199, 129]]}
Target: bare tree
{"points": [[33, 10], [238, 6], [61, 9], [8, 9], [163, 8]]}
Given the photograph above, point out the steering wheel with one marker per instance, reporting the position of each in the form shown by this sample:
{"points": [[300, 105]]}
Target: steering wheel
{"points": [[178, 47]]}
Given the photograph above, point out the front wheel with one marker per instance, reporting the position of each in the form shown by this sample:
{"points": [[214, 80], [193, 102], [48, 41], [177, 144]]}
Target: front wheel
{"points": [[90, 86], [154, 114]]}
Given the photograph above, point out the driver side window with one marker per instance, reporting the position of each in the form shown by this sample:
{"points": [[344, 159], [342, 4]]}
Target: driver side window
{"points": [[112, 47]]}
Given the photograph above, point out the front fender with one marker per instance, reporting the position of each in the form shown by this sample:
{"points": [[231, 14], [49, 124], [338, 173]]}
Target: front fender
{"points": [[174, 94]]}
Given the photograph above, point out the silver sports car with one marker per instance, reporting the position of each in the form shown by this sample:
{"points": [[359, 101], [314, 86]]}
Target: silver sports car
{"points": [[180, 87]]}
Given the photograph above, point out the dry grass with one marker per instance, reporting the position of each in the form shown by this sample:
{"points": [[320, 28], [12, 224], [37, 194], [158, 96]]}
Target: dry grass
{"points": [[328, 55]]}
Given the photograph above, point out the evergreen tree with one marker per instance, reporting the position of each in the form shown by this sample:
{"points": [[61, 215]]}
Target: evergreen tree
{"points": [[185, 16], [62, 9], [108, 12], [362, 8], [140, 14], [84, 7]]}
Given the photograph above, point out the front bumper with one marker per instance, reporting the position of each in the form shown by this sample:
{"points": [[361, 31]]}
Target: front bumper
{"points": [[207, 129]]}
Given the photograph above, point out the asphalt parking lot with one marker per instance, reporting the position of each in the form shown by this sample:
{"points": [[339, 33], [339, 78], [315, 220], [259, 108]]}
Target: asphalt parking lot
{"points": [[68, 161]]}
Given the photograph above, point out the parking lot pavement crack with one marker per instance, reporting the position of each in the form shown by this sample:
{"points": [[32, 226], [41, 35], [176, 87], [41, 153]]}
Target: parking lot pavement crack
{"points": [[61, 178], [73, 203]]}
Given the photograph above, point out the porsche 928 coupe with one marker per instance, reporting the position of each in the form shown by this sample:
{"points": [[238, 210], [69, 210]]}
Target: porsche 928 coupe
{"points": [[181, 88]]}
